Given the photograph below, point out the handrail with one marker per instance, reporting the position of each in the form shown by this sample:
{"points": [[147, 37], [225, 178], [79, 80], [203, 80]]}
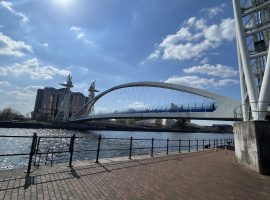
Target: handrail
{"points": [[239, 113], [132, 147]]}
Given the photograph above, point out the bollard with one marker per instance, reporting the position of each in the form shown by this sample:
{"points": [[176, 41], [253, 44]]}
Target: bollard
{"points": [[32, 152], [167, 146], [130, 147], [179, 146], [71, 149], [197, 145], [98, 148], [188, 145], [152, 147]]}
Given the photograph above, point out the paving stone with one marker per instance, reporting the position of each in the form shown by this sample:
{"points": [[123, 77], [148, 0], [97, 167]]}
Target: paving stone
{"points": [[198, 175]]}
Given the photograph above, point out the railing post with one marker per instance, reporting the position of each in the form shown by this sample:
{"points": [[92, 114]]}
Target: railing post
{"points": [[98, 148], [203, 144], [71, 149], [167, 146], [32, 152], [36, 150], [152, 147], [179, 146], [188, 145], [130, 147], [197, 145]]}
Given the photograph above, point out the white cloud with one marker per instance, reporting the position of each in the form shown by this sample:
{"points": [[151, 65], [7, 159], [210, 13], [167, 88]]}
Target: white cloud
{"points": [[204, 61], [194, 39], [78, 31], [186, 51], [191, 21], [135, 16], [199, 82], [11, 47], [81, 87], [75, 28], [213, 70], [4, 83], [84, 70], [212, 12], [34, 69], [33, 88], [223, 31], [9, 7], [80, 34], [154, 55], [137, 105], [3, 71], [193, 81], [20, 94], [225, 82]]}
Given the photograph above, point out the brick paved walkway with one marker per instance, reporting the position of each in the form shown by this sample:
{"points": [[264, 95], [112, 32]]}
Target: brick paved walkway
{"points": [[202, 175]]}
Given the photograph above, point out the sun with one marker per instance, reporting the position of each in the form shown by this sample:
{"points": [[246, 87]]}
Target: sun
{"points": [[63, 3]]}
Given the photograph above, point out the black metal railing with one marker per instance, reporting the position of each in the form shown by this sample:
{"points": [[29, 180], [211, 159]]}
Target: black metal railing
{"points": [[132, 147]]}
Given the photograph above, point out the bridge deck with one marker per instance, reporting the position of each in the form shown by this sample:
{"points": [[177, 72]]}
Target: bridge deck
{"points": [[202, 175]]}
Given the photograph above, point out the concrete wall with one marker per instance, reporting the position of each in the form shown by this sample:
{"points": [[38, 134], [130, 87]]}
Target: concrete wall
{"points": [[252, 145]]}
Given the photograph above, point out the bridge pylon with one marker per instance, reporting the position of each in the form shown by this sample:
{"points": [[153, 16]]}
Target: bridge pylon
{"points": [[252, 37], [252, 139], [63, 114]]}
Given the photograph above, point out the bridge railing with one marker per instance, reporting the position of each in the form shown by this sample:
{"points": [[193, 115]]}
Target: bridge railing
{"points": [[246, 110], [44, 150], [166, 108]]}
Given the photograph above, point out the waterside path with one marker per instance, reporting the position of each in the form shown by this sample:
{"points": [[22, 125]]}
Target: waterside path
{"points": [[196, 175]]}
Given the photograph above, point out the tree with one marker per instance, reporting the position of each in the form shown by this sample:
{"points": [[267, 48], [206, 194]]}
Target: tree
{"points": [[10, 114]]}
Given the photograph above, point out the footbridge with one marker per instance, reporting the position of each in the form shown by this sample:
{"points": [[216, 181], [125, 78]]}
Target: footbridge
{"points": [[148, 100]]}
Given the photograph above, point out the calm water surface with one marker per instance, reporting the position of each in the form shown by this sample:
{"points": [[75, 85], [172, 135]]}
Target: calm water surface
{"points": [[86, 145]]}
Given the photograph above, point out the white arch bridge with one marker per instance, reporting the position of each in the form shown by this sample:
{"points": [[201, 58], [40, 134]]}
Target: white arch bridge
{"points": [[184, 104]]}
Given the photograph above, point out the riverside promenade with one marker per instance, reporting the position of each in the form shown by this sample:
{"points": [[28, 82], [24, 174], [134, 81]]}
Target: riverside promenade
{"points": [[197, 175]]}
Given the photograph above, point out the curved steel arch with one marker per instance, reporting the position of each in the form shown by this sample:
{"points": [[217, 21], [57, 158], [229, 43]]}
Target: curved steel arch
{"points": [[219, 98]]}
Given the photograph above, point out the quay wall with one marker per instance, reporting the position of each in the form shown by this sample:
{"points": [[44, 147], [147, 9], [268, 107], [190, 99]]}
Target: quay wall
{"points": [[252, 145]]}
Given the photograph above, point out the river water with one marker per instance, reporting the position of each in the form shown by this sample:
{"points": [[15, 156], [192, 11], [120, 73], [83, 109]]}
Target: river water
{"points": [[86, 144]]}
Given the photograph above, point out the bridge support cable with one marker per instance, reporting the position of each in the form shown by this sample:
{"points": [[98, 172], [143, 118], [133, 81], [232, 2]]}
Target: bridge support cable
{"points": [[192, 106]]}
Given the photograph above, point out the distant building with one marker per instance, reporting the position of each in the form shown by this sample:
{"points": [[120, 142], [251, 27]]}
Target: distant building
{"points": [[225, 128], [48, 103], [176, 123], [158, 123]]}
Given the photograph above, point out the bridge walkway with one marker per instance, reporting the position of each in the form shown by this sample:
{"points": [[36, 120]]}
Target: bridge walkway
{"points": [[198, 175]]}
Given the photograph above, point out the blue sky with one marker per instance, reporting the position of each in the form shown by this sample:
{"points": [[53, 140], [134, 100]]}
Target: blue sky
{"points": [[186, 42]]}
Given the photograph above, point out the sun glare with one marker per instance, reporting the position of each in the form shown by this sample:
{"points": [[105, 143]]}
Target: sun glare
{"points": [[63, 3]]}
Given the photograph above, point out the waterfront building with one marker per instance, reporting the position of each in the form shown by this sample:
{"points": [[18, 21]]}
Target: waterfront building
{"points": [[48, 103]]}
